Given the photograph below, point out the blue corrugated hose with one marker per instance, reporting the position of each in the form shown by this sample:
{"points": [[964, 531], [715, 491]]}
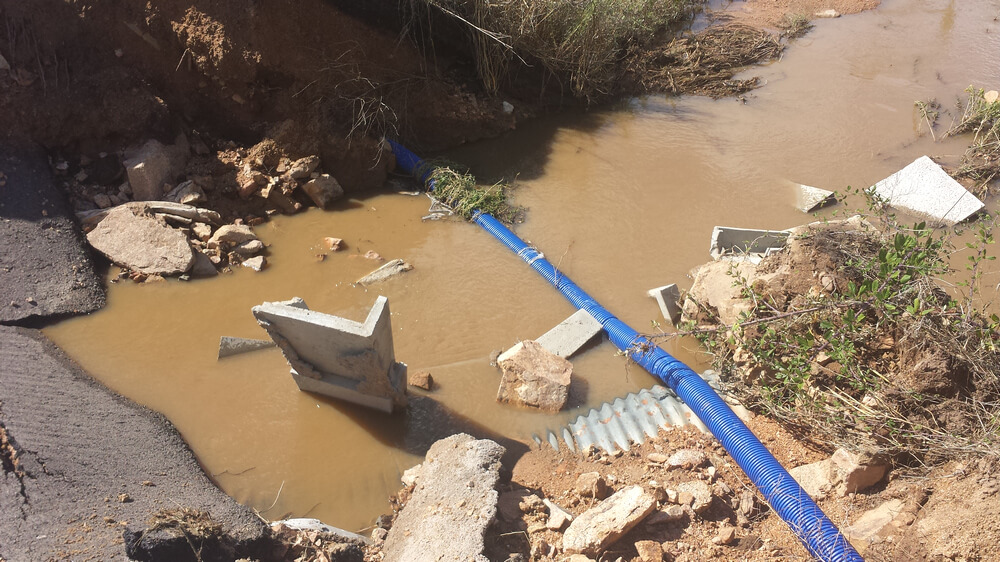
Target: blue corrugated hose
{"points": [[819, 535]]}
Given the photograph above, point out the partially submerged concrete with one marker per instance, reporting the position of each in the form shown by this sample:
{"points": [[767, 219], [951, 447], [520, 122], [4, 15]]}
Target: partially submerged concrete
{"points": [[745, 244], [566, 338], [926, 189], [453, 503], [337, 357], [809, 198], [229, 346], [668, 297], [387, 271]]}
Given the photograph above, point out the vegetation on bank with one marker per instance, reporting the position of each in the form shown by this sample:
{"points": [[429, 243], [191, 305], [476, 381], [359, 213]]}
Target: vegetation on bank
{"points": [[886, 361], [981, 117]]}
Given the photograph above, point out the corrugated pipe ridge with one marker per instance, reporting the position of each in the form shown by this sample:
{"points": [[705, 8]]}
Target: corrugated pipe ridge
{"points": [[819, 535]]}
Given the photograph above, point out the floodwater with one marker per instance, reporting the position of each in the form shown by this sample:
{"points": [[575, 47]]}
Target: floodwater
{"points": [[622, 200]]}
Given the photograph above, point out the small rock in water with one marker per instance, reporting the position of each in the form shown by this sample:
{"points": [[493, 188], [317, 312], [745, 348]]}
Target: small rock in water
{"points": [[420, 379], [373, 255], [333, 244], [256, 263]]}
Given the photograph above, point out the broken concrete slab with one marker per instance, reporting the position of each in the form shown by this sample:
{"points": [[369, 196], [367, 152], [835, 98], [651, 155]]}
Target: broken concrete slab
{"points": [[453, 503], [668, 298], [600, 526], [925, 188], [566, 338], [337, 357], [535, 378], [745, 244], [309, 524], [229, 345], [809, 199], [387, 271], [133, 238]]}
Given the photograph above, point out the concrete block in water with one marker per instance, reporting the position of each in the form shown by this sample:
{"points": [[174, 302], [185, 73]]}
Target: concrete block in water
{"points": [[809, 198], [229, 345], [926, 189], [337, 357], [745, 244], [566, 338], [668, 297]]}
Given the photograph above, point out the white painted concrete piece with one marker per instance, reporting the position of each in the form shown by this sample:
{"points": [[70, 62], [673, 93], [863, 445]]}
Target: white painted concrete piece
{"points": [[745, 244], [338, 357], [668, 297], [925, 188], [808, 198], [566, 338]]}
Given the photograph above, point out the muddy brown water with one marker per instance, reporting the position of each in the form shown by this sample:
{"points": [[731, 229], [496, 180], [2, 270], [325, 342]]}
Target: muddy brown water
{"points": [[622, 200]]}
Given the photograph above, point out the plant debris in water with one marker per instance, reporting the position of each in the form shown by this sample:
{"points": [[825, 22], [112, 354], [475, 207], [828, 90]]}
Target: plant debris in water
{"points": [[981, 117], [459, 191]]}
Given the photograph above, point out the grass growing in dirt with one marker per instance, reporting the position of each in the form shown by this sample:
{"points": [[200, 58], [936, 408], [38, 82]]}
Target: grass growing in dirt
{"points": [[981, 117], [795, 25], [882, 361], [459, 191], [580, 41]]}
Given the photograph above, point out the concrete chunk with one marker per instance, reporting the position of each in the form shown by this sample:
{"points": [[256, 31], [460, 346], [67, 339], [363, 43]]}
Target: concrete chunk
{"points": [[338, 357], [668, 297], [229, 346], [132, 237], [809, 198], [566, 338], [389, 270], [925, 188], [454, 501], [535, 378], [600, 526], [745, 244]]}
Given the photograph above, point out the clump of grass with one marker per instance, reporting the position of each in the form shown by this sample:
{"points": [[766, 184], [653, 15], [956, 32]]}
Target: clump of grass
{"points": [[459, 191], [795, 25], [929, 111], [188, 521], [981, 117], [581, 41]]}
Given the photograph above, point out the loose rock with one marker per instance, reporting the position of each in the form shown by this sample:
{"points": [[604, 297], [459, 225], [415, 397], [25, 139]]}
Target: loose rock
{"points": [[592, 485], [535, 378], [727, 535], [332, 244], [649, 551], [151, 166], [256, 263], [699, 492], [249, 248], [301, 168], [420, 379], [687, 458], [231, 235], [323, 190], [602, 525], [388, 271], [558, 517], [133, 238]]}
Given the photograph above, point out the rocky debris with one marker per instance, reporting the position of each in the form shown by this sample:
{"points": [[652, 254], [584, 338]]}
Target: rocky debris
{"points": [[695, 493], [231, 235], [166, 209], [303, 167], [666, 515], [535, 378], [567, 337], [133, 238], [453, 503], [726, 536], [257, 263], [372, 255], [420, 379], [592, 485], [333, 244], [203, 266], [649, 551], [311, 539], [391, 269], [558, 517], [151, 166], [844, 472], [885, 520], [323, 190], [600, 526], [657, 458], [229, 345], [187, 193], [248, 248], [687, 458], [202, 231]]}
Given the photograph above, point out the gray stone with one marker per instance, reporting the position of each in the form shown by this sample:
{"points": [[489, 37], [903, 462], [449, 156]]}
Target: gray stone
{"points": [[924, 188], [687, 458], [102, 200], [558, 517], [535, 378], [600, 526], [389, 270], [249, 248], [187, 193], [451, 507], [323, 190], [151, 166], [256, 263], [131, 237], [745, 244], [338, 357], [301, 168], [670, 514], [566, 338], [668, 298], [701, 494], [229, 345], [231, 235], [808, 198]]}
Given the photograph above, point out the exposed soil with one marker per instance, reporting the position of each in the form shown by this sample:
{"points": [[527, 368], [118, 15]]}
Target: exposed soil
{"points": [[775, 14]]}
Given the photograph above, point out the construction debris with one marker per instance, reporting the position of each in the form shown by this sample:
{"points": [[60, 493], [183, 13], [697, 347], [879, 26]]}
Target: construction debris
{"points": [[925, 188]]}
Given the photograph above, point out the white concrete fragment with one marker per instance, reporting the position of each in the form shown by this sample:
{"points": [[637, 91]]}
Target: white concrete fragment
{"points": [[808, 198], [229, 346], [389, 270], [745, 244], [338, 357], [926, 189], [566, 338], [668, 297], [308, 524]]}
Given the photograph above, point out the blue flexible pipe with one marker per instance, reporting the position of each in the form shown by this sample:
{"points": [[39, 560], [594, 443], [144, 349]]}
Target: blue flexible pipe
{"points": [[819, 535]]}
